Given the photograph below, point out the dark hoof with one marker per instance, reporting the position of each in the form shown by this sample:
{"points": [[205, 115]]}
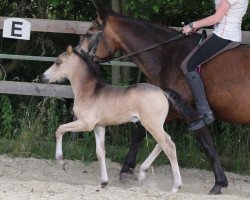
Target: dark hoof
{"points": [[215, 190], [103, 184], [65, 167], [125, 175]]}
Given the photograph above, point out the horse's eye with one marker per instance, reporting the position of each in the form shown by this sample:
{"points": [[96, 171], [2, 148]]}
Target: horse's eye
{"points": [[88, 34]]}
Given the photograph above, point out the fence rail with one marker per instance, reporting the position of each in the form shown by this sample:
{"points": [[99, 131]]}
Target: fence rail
{"points": [[36, 89], [57, 26]]}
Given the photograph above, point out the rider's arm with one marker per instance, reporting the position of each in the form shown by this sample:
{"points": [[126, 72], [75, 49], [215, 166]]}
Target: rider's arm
{"points": [[221, 11]]}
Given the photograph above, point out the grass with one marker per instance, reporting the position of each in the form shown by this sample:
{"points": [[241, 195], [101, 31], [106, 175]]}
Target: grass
{"points": [[28, 126]]}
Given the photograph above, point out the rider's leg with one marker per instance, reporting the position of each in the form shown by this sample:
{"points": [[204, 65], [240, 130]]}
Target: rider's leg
{"points": [[209, 48]]}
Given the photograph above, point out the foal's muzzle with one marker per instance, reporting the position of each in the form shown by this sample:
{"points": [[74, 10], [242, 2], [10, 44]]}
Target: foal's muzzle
{"points": [[44, 79]]}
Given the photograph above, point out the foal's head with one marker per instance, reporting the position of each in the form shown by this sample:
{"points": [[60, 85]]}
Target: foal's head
{"points": [[62, 67], [72, 64]]}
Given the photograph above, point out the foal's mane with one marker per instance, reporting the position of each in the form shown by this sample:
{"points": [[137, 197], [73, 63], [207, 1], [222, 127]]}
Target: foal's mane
{"points": [[93, 67]]}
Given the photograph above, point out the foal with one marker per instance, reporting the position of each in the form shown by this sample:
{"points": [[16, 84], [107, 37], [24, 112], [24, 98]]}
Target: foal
{"points": [[97, 105]]}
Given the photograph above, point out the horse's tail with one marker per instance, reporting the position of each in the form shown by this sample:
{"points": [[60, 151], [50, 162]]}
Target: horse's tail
{"points": [[181, 106]]}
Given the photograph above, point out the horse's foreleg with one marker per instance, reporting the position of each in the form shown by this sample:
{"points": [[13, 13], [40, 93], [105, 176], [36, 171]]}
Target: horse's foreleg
{"points": [[129, 163], [62, 129], [204, 138], [100, 152], [148, 162]]}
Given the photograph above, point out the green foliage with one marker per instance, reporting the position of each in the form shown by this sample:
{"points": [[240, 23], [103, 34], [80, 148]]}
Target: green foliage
{"points": [[246, 20], [7, 116], [170, 12]]}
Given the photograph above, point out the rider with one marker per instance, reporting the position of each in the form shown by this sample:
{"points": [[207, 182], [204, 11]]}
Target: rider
{"points": [[226, 35]]}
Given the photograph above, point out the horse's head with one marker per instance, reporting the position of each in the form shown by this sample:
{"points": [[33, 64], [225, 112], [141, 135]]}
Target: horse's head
{"points": [[99, 41], [61, 68]]}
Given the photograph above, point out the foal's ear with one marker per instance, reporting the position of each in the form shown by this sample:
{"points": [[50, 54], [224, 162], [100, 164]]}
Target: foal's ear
{"points": [[69, 50]]}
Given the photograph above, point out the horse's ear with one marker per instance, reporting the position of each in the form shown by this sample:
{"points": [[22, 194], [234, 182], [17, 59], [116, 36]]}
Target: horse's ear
{"points": [[69, 50], [101, 10]]}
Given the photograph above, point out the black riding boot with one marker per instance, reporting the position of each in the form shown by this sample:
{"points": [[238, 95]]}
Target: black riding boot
{"points": [[196, 85]]}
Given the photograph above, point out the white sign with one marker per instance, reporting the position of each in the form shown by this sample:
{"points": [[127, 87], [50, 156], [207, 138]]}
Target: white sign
{"points": [[16, 28]]}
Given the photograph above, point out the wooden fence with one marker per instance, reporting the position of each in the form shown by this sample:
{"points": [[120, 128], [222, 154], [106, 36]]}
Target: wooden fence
{"points": [[55, 26]]}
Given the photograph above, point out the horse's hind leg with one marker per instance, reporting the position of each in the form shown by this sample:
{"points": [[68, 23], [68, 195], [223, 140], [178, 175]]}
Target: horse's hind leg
{"points": [[148, 162], [205, 140], [129, 163], [100, 152], [168, 146]]}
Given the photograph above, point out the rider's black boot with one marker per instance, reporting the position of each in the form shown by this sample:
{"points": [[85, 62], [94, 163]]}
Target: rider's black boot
{"points": [[196, 85]]}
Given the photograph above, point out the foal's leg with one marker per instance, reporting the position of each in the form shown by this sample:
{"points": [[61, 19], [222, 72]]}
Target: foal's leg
{"points": [[62, 129], [100, 152], [148, 162], [168, 146]]}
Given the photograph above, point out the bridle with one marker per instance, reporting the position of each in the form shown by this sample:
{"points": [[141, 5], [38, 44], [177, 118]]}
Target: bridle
{"points": [[93, 46]]}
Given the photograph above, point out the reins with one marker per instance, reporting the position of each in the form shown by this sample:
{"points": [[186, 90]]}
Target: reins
{"points": [[144, 49]]}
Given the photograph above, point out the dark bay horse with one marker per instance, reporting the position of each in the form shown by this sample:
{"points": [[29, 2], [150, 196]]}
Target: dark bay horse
{"points": [[226, 77], [97, 105]]}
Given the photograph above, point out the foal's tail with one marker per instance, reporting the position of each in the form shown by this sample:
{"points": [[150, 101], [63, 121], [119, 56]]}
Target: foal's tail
{"points": [[181, 106]]}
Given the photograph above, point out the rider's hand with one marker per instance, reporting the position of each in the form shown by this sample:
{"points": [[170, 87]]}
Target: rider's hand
{"points": [[186, 30]]}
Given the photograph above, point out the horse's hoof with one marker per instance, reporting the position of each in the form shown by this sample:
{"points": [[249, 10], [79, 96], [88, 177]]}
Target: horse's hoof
{"points": [[125, 175], [215, 190]]}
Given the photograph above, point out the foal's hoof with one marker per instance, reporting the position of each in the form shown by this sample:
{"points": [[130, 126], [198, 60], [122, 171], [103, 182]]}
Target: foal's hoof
{"points": [[176, 189], [65, 167], [103, 184]]}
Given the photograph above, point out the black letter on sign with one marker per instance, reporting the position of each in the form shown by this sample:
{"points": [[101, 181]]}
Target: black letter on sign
{"points": [[16, 28]]}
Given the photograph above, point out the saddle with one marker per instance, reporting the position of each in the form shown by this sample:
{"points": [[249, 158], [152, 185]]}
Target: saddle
{"points": [[203, 35]]}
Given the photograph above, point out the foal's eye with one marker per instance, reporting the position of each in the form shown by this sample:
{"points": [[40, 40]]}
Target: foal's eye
{"points": [[58, 62]]}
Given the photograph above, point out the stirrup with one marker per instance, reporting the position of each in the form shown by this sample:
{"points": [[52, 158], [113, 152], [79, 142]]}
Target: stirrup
{"points": [[208, 118], [196, 125]]}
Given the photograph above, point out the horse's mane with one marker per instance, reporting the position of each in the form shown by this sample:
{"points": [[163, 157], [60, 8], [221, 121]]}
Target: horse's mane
{"points": [[154, 27], [143, 26]]}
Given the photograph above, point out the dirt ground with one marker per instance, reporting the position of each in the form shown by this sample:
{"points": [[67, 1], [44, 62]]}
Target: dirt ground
{"points": [[30, 178]]}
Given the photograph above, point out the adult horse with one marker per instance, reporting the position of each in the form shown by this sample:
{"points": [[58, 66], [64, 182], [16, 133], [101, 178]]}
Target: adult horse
{"points": [[226, 77]]}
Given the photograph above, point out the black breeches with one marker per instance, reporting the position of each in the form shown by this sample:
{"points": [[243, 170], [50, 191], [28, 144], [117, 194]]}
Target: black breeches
{"points": [[209, 48]]}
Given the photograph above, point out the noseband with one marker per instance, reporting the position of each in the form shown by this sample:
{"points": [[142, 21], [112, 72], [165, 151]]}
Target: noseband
{"points": [[93, 45]]}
